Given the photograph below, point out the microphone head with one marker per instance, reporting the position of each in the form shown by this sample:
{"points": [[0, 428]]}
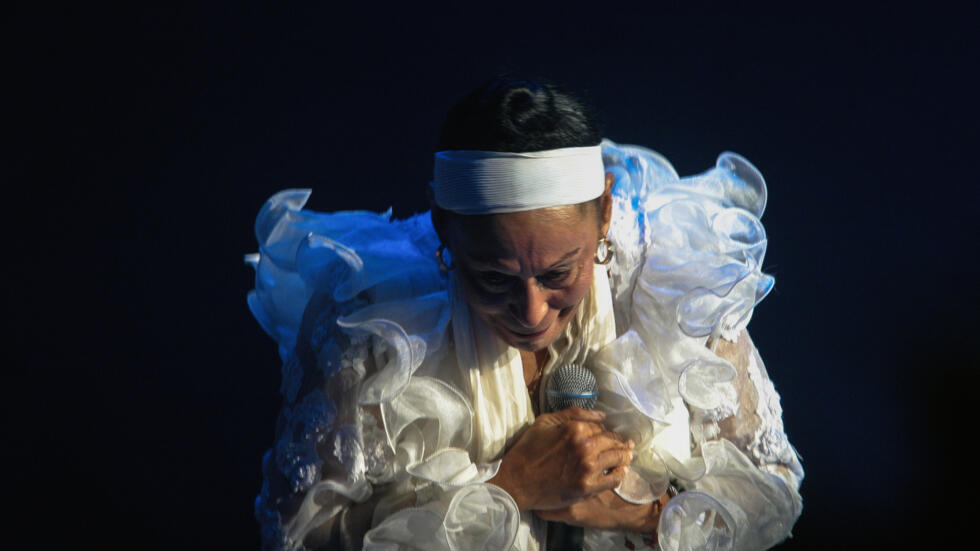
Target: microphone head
{"points": [[572, 385]]}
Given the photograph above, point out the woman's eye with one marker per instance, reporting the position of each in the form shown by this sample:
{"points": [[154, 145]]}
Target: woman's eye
{"points": [[492, 279], [499, 282]]}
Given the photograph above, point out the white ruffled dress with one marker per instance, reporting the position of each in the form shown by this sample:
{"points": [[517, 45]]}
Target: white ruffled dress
{"points": [[398, 404]]}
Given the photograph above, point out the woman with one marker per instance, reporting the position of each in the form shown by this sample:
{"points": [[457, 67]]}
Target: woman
{"points": [[415, 352]]}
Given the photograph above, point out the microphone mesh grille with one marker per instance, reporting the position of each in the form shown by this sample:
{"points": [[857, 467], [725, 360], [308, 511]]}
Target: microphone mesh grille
{"points": [[572, 385]]}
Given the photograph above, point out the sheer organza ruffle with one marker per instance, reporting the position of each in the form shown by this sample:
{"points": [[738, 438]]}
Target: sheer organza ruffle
{"points": [[394, 319], [688, 269], [398, 430]]}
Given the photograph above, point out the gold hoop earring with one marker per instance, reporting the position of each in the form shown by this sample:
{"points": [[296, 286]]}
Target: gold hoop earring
{"points": [[442, 264], [606, 247]]}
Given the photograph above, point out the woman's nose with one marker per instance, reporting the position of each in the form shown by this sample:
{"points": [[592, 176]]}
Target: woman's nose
{"points": [[531, 305]]}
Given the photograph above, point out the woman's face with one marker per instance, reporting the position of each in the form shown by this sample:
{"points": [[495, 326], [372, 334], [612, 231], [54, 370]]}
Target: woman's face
{"points": [[525, 273]]}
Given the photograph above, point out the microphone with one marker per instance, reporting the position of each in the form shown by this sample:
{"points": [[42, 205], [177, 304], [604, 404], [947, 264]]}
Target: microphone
{"points": [[574, 385], [570, 385]]}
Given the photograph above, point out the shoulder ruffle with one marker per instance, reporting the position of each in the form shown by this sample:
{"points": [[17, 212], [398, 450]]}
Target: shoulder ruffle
{"points": [[698, 239], [344, 254], [371, 290], [688, 267], [688, 264]]}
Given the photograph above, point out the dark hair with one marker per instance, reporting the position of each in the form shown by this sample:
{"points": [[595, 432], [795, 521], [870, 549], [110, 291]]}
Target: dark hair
{"points": [[518, 116], [513, 115]]}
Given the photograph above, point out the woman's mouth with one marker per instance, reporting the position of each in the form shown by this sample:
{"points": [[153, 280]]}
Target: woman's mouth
{"points": [[526, 335]]}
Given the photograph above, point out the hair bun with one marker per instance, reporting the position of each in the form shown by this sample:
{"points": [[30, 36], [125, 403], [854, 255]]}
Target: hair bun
{"points": [[518, 101], [507, 114], [526, 109]]}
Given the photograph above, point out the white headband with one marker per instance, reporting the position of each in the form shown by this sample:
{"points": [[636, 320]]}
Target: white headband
{"points": [[488, 182]]}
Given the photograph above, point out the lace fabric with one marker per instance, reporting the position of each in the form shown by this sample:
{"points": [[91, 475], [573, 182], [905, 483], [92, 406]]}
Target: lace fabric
{"points": [[379, 443]]}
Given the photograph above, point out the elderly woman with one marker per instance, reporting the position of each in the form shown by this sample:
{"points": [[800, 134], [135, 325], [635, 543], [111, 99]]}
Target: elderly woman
{"points": [[417, 353]]}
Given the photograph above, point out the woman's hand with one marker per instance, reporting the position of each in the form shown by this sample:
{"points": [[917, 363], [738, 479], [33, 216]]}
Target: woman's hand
{"points": [[563, 458], [608, 511]]}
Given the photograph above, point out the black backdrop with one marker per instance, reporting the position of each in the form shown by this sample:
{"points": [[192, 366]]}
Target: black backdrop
{"points": [[143, 141]]}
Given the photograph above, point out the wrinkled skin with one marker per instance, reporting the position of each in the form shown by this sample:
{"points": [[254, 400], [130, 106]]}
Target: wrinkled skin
{"points": [[525, 273]]}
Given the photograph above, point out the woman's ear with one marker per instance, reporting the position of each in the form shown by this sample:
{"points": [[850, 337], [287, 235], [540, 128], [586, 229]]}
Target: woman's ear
{"points": [[606, 213]]}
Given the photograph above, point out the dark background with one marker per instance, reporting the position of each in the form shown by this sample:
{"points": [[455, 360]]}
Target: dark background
{"points": [[141, 143]]}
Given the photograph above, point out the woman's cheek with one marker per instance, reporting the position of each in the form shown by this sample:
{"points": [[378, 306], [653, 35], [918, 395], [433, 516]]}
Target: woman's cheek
{"points": [[482, 301], [577, 291]]}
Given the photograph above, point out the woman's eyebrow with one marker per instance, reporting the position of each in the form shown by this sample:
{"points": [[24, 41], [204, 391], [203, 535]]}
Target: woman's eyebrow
{"points": [[496, 262], [567, 255]]}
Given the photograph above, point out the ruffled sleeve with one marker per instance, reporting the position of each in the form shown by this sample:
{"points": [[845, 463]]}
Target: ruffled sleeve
{"points": [[683, 379], [372, 441]]}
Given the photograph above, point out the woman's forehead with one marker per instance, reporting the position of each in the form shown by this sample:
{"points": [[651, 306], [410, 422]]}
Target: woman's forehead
{"points": [[546, 220], [550, 234], [565, 214]]}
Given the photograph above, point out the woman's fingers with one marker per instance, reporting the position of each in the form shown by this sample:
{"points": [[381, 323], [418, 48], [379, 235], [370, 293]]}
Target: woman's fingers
{"points": [[610, 470], [612, 479], [577, 414], [563, 458], [611, 459], [602, 457], [599, 440]]}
